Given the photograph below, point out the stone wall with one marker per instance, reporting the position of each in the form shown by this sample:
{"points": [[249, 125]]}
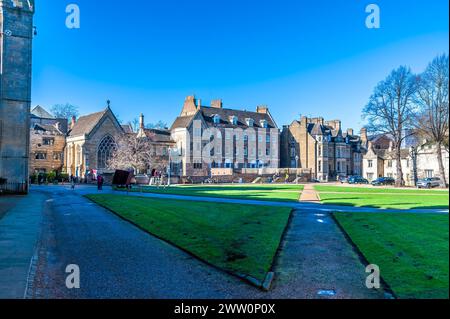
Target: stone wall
{"points": [[16, 31], [54, 153]]}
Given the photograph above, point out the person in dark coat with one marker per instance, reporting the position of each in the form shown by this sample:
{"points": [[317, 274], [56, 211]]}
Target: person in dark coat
{"points": [[100, 182]]}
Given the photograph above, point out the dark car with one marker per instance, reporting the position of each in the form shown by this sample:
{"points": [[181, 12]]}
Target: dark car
{"points": [[357, 180], [383, 181]]}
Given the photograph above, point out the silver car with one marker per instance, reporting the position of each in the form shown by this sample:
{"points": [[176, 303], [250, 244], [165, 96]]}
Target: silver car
{"points": [[429, 182]]}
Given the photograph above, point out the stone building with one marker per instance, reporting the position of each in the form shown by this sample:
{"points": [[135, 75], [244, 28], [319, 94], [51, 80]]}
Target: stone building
{"points": [[381, 162], [214, 137], [90, 142], [16, 34], [162, 144], [427, 163], [417, 161], [47, 142], [321, 146]]}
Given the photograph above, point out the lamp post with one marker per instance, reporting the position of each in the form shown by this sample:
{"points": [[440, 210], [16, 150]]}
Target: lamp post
{"points": [[413, 153], [296, 168], [169, 169]]}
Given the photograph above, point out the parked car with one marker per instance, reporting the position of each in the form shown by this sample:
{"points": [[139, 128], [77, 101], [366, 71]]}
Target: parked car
{"points": [[383, 181], [343, 179], [357, 180], [429, 182]]}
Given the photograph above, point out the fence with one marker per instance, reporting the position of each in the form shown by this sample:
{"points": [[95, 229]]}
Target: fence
{"points": [[13, 188]]}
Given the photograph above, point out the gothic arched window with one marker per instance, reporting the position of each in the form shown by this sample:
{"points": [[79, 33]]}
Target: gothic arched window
{"points": [[105, 151]]}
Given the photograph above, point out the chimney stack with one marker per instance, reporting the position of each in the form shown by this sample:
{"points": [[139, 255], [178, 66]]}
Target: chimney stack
{"points": [[73, 122], [141, 122], [263, 109], [304, 121], [216, 104], [364, 137]]}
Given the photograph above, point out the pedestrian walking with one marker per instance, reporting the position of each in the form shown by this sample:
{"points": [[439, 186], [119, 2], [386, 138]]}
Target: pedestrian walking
{"points": [[72, 182], [99, 182]]}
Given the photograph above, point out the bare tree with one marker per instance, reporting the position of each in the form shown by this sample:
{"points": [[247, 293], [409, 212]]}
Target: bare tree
{"points": [[64, 111], [157, 125], [432, 98], [390, 111], [136, 153], [134, 124]]}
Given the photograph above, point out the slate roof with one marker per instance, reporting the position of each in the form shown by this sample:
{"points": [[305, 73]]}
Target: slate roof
{"points": [[40, 112], [387, 154], [127, 128], [182, 122], [85, 124], [159, 135], [47, 128], [226, 115]]}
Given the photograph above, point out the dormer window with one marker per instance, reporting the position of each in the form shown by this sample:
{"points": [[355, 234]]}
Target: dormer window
{"points": [[250, 122], [216, 119], [233, 120], [263, 123]]}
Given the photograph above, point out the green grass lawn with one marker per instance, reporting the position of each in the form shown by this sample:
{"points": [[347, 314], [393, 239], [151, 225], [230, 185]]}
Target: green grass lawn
{"points": [[412, 250], [265, 192], [382, 197], [241, 239]]}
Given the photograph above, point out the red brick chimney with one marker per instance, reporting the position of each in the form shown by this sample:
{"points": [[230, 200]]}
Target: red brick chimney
{"points": [[216, 104], [263, 109]]}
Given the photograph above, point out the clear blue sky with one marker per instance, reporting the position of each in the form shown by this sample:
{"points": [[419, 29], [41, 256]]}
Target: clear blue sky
{"points": [[313, 58]]}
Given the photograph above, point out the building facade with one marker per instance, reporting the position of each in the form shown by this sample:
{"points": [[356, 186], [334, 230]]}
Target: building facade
{"points": [[16, 35], [161, 144], [90, 143], [47, 142], [214, 137], [319, 145], [417, 161]]}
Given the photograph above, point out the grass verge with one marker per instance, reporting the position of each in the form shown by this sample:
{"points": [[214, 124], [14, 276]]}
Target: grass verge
{"points": [[412, 250], [383, 198]]}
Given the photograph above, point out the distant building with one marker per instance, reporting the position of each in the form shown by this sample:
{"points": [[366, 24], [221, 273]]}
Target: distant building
{"points": [[91, 141], [321, 146], [47, 142], [214, 137], [418, 161], [162, 144]]}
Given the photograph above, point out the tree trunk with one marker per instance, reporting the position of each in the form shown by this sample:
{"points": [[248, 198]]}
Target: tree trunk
{"points": [[441, 165], [399, 179]]}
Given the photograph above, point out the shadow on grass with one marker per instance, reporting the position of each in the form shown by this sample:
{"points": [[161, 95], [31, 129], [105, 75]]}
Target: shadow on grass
{"points": [[403, 205], [286, 193]]}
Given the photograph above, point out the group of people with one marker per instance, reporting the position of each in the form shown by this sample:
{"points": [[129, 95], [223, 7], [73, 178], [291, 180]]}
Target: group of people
{"points": [[74, 180]]}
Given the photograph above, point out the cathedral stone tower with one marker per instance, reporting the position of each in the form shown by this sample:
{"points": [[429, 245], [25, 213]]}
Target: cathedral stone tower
{"points": [[16, 33]]}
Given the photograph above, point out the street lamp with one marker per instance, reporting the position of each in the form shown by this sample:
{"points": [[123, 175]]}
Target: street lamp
{"points": [[296, 168], [413, 153], [169, 169]]}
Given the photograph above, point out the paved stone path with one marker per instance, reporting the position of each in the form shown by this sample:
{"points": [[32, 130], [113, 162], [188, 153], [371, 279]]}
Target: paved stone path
{"points": [[309, 194], [117, 260], [19, 231]]}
